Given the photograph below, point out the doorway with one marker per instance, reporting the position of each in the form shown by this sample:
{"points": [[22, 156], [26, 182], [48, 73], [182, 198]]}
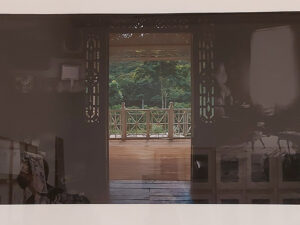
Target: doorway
{"points": [[150, 106]]}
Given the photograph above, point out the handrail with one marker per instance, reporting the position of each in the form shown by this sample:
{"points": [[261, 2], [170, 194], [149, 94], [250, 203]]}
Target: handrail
{"points": [[168, 123]]}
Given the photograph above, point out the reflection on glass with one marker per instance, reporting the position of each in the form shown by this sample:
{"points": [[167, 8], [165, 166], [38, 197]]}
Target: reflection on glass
{"points": [[229, 169], [291, 168], [201, 163], [259, 168]]}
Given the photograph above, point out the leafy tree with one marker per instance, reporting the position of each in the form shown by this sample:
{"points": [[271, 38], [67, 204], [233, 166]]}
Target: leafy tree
{"points": [[155, 82], [115, 93]]}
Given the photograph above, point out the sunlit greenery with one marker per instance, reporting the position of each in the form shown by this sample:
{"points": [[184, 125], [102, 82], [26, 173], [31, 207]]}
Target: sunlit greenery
{"points": [[152, 84]]}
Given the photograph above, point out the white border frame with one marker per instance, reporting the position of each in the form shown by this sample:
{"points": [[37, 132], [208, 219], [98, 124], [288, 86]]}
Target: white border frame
{"points": [[154, 6], [147, 214]]}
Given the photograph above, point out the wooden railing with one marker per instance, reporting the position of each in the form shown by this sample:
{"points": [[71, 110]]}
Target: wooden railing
{"points": [[149, 123]]}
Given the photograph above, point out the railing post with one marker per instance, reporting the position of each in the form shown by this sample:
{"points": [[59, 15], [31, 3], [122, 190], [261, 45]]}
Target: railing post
{"points": [[185, 123], [148, 123], [123, 121], [171, 121]]}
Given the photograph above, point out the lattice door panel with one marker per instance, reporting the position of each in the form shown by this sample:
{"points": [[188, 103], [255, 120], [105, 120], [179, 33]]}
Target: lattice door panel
{"points": [[206, 69], [92, 81]]}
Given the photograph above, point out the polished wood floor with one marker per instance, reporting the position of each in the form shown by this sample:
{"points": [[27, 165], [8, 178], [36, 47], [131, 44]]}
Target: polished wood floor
{"points": [[164, 160], [150, 192]]}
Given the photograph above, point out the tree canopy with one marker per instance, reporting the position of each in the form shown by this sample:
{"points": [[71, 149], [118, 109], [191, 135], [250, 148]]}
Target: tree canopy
{"points": [[150, 84]]}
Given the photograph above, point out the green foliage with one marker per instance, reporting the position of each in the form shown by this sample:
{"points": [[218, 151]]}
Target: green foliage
{"points": [[180, 105], [115, 93], [158, 129], [115, 106], [156, 82]]}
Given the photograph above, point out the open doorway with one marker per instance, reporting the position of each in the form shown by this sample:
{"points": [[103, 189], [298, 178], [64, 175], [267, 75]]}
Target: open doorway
{"points": [[150, 106]]}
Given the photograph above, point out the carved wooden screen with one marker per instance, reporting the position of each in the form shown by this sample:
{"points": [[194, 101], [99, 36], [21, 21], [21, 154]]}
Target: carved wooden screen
{"points": [[96, 80], [206, 56], [93, 48], [96, 110], [203, 107]]}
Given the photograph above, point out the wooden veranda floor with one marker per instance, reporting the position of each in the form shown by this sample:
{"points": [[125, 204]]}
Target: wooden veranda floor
{"points": [[160, 159], [150, 192]]}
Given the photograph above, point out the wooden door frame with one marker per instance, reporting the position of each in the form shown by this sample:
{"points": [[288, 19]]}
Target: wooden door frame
{"points": [[190, 23]]}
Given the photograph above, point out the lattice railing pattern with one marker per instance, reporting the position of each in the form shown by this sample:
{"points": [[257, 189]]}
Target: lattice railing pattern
{"points": [[150, 123], [159, 122], [153, 23], [115, 123], [182, 122], [136, 123]]}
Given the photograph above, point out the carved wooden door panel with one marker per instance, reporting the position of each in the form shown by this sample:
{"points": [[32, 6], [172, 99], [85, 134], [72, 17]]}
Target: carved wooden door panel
{"points": [[203, 110], [96, 105]]}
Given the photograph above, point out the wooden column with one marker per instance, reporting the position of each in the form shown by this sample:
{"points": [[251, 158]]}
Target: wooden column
{"points": [[203, 136], [95, 130], [203, 90]]}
